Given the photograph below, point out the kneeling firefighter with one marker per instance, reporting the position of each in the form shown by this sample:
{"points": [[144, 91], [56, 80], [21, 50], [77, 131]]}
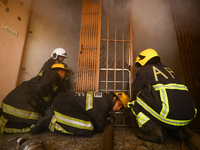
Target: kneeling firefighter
{"points": [[81, 113], [27, 103], [161, 101]]}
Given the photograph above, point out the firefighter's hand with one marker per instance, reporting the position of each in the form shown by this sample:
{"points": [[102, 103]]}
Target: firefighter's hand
{"points": [[111, 118]]}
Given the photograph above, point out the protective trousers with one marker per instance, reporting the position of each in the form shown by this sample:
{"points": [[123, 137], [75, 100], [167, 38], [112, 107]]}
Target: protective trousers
{"points": [[7, 126], [71, 120]]}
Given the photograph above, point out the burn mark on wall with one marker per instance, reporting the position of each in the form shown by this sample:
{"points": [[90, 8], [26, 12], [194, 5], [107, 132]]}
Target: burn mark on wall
{"points": [[7, 9], [19, 18]]}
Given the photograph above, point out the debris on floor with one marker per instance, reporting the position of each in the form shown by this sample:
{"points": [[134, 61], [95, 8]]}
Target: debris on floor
{"points": [[124, 138]]}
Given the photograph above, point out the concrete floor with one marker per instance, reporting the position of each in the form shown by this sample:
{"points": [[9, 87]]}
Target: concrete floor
{"points": [[124, 138]]}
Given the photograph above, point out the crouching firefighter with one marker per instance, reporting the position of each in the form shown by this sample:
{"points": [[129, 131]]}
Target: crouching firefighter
{"points": [[81, 113], [27, 103], [162, 103]]}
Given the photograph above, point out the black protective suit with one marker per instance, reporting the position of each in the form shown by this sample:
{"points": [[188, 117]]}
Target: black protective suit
{"points": [[161, 97], [81, 113], [27, 102], [47, 66]]}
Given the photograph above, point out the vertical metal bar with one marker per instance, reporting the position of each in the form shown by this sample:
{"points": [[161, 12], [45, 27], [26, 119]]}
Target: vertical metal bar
{"points": [[95, 43], [92, 47], [107, 47], [98, 45], [88, 45], [131, 53], [122, 47], [79, 68], [115, 49], [85, 47]]}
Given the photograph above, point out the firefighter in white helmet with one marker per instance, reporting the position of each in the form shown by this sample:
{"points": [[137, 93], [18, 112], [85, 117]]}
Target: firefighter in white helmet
{"points": [[81, 113], [57, 56], [161, 101]]}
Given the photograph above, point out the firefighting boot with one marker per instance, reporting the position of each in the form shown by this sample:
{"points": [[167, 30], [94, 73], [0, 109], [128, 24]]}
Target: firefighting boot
{"points": [[179, 134], [43, 124], [155, 136]]}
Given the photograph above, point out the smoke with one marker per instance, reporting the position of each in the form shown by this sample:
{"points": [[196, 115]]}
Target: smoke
{"points": [[153, 27]]}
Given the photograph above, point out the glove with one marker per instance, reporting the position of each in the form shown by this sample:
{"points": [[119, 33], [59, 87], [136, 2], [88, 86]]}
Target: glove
{"points": [[111, 118]]}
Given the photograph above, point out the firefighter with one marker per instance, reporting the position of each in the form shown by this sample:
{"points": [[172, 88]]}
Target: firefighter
{"points": [[27, 103], [57, 56], [81, 113], [162, 103]]}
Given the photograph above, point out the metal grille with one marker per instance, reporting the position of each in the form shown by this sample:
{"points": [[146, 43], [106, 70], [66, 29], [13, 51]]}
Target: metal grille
{"points": [[105, 60], [89, 48], [116, 61], [116, 54]]}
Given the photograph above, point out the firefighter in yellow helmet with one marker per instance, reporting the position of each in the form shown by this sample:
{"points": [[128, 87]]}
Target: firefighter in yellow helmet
{"points": [[161, 101], [57, 56], [124, 99], [81, 113], [27, 103]]}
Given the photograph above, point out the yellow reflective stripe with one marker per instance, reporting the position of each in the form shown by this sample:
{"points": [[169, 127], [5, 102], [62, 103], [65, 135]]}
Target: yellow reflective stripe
{"points": [[89, 100], [3, 121], [161, 118], [163, 95], [74, 122], [165, 103], [20, 113], [130, 103], [170, 86], [48, 98], [41, 73], [51, 125], [133, 111], [59, 128], [142, 119], [13, 130]]}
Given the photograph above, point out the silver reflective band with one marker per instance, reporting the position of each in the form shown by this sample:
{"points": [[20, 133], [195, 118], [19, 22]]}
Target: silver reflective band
{"points": [[142, 118], [89, 100], [20, 113], [165, 104], [170, 86], [74, 122]]}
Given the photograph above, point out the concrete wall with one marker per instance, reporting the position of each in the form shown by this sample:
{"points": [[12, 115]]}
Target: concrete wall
{"points": [[11, 47], [53, 24], [153, 27]]}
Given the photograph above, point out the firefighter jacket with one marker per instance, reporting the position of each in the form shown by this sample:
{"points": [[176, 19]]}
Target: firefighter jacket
{"points": [[47, 66], [81, 113], [162, 95], [28, 101]]}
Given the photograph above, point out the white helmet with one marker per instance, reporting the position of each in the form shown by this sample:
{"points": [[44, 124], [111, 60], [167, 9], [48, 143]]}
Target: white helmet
{"points": [[58, 52]]}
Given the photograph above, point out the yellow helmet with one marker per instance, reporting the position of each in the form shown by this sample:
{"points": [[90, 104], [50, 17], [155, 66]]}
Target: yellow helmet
{"points": [[61, 66], [123, 97], [145, 56]]}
